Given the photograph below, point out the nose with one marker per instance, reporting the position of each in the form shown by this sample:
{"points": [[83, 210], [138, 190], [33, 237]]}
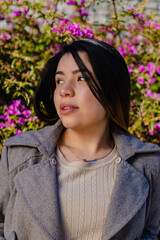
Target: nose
{"points": [[67, 90]]}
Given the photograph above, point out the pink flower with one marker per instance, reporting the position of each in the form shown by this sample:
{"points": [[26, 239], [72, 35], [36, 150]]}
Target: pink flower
{"points": [[152, 95], [139, 15], [22, 107], [141, 68], [16, 103], [133, 50], [151, 133], [122, 51], [2, 125], [5, 36], [157, 70], [18, 132], [25, 11], [72, 28], [109, 30], [83, 12], [28, 120], [148, 83], [156, 25], [26, 113], [102, 29], [153, 80], [137, 40], [140, 80], [35, 118], [13, 110], [71, 2], [16, 13], [150, 66], [148, 23], [130, 69], [157, 128], [133, 104], [21, 120], [83, 2], [132, 8]]}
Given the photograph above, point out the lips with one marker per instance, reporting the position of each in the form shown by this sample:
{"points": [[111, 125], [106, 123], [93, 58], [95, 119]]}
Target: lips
{"points": [[67, 108]]}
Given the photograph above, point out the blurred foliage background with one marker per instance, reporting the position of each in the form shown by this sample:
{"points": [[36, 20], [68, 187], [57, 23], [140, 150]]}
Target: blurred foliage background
{"points": [[32, 32]]}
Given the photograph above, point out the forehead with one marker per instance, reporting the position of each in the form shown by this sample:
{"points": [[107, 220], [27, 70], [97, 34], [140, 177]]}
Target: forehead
{"points": [[68, 62]]}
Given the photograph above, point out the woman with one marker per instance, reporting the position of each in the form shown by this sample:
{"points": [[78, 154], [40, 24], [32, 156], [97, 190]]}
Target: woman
{"points": [[83, 176]]}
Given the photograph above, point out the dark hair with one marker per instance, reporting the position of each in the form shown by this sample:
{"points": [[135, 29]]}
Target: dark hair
{"points": [[112, 89]]}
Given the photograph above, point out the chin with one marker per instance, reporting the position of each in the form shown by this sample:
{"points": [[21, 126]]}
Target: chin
{"points": [[72, 124]]}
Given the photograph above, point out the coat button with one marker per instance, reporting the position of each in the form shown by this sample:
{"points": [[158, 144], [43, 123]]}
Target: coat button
{"points": [[118, 160], [14, 236]]}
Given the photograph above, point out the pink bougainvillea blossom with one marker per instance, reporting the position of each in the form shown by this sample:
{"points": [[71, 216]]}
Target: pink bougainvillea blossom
{"points": [[16, 13], [83, 2], [82, 11], [57, 48], [20, 12], [26, 113], [151, 133], [35, 118], [140, 80], [18, 132], [152, 95], [137, 40], [132, 50], [139, 15], [74, 29], [13, 110], [157, 70], [141, 68], [150, 66], [157, 128], [152, 80], [21, 120], [130, 69], [132, 8], [5, 36], [71, 2], [2, 125], [156, 26], [122, 51]]}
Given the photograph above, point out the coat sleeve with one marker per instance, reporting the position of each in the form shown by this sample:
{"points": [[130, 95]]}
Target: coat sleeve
{"points": [[4, 189], [151, 228]]}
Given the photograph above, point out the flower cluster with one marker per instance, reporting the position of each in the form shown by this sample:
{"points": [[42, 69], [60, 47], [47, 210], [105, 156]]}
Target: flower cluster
{"points": [[16, 115], [20, 12], [5, 36], [155, 130], [72, 29]]}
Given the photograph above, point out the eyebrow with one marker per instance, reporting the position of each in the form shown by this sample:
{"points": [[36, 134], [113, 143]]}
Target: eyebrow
{"points": [[74, 72]]}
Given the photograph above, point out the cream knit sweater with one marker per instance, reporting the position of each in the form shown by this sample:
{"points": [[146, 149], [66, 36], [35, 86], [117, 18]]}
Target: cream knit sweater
{"points": [[84, 194]]}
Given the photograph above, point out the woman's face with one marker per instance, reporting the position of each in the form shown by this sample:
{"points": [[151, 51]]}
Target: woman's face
{"points": [[76, 105]]}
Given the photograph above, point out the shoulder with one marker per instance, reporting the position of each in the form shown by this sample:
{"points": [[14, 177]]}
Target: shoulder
{"points": [[142, 155], [23, 147]]}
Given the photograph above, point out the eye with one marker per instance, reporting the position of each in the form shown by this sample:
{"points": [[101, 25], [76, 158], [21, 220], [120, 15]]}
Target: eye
{"points": [[81, 79], [59, 81]]}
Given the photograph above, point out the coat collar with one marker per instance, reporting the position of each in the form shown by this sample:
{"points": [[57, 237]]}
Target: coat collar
{"points": [[46, 138]]}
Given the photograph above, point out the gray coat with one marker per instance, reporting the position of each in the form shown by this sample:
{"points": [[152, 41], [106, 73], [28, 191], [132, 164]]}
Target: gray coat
{"points": [[29, 208]]}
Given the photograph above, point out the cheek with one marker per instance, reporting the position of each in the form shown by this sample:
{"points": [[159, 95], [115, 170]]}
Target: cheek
{"points": [[91, 105], [55, 98]]}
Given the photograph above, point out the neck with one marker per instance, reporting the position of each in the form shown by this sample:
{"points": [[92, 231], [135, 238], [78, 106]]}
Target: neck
{"points": [[88, 142]]}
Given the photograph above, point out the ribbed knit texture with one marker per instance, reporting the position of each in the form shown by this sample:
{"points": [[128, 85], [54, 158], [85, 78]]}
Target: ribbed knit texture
{"points": [[84, 194]]}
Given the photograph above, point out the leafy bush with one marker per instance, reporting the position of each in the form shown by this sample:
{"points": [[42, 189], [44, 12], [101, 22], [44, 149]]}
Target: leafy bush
{"points": [[34, 32]]}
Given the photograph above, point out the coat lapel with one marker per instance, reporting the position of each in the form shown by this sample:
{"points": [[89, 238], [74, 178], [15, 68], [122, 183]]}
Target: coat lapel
{"points": [[37, 187], [129, 194]]}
